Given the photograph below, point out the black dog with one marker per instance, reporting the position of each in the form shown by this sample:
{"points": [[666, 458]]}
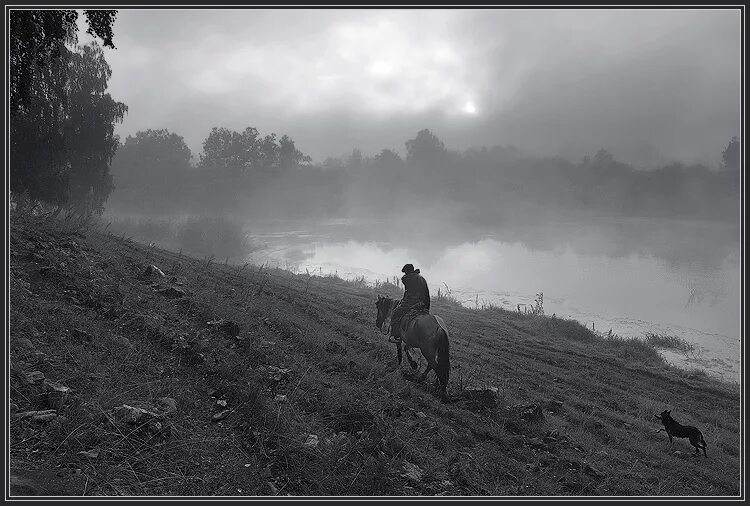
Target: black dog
{"points": [[672, 428]]}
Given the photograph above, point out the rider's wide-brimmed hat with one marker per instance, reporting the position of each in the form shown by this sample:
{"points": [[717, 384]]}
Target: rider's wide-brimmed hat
{"points": [[408, 268]]}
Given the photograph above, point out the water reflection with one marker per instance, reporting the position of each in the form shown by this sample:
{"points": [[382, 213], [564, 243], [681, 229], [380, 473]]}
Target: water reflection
{"points": [[677, 278]]}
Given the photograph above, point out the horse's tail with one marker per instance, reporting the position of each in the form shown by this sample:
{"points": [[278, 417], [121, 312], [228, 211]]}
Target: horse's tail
{"points": [[443, 360]]}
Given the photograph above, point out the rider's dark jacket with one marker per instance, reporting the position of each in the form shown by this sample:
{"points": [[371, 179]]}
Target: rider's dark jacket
{"points": [[415, 289]]}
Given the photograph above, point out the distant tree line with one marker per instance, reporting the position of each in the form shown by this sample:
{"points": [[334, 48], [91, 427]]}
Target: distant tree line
{"points": [[236, 172], [61, 117], [247, 172]]}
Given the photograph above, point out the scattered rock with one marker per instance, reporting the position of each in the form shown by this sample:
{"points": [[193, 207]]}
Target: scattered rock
{"points": [[480, 398], [132, 414], [537, 443], [532, 413], [40, 357], [228, 327], [553, 406], [171, 292], [33, 377], [311, 441], [155, 427], [56, 394], [37, 416], [420, 414], [24, 486], [222, 403], [42, 270], [405, 393], [220, 415], [141, 413], [412, 472], [124, 341], [573, 465], [592, 471], [280, 398], [335, 348], [82, 335], [153, 271], [92, 454], [167, 404], [25, 343], [277, 373]]}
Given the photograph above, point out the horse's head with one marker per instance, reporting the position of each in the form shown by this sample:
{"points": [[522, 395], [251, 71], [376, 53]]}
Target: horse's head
{"points": [[385, 306]]}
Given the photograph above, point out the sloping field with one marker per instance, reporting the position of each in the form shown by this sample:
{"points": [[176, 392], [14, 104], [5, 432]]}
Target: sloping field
{"points": [[238, 380]]}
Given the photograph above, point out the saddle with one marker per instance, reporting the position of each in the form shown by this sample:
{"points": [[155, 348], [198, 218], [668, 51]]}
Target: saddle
{"points": [[418, 308]]}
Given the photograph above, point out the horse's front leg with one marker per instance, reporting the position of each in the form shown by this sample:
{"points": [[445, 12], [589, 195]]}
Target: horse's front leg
{"points": [[398, 349], [412, 362]]}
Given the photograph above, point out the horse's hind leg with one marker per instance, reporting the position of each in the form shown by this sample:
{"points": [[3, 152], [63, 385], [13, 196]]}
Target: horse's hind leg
{"points": [[426, 371], [398, 348], [431, 366], [412, 363]]}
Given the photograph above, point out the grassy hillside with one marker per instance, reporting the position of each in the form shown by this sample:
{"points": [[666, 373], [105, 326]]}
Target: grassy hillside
{"points": [[238, 380]]}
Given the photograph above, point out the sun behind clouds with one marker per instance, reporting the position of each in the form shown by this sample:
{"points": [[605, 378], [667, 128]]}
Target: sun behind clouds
{"points": [[469, 108]]}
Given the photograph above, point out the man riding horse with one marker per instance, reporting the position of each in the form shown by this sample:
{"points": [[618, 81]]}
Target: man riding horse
{"points": [[416, 298]]}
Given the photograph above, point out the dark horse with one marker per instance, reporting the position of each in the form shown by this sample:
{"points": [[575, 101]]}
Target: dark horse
{"points": [[426, 332]]}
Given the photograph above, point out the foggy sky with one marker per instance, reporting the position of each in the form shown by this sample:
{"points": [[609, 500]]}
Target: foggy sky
{"points": [[650, 85]]}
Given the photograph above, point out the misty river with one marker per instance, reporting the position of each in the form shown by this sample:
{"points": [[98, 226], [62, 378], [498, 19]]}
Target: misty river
{"points": [[633, 276]]}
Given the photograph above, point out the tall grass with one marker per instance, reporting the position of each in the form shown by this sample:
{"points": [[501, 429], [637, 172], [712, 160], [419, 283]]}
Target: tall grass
{"points": [[668, 342]]}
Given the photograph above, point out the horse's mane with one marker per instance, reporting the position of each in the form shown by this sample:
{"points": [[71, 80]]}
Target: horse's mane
{"points": [[392, 303]]}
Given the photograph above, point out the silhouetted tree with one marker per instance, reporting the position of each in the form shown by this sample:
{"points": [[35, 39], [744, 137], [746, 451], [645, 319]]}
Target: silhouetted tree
{"points": [[355, 162], [231, 153], [39, 37], [289, 156], [603, 158], [151, 159], [57, 100], [425, 148], [88, 130]]}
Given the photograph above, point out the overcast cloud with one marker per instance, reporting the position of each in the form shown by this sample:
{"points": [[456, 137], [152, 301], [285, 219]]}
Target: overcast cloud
{"points": [[649, 85]]}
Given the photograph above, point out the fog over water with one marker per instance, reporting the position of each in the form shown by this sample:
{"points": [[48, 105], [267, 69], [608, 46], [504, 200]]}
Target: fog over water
{"points": [[662, 288]]}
